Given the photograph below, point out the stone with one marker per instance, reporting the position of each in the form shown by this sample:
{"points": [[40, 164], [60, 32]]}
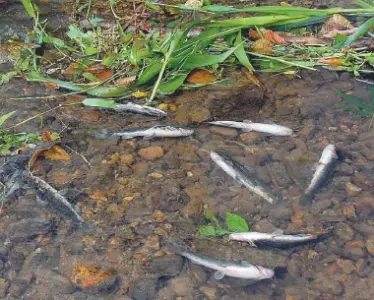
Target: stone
{"points": [[345, 169], [180, 285], [16, 260], [250, 138], [140, 169], [295, 267], [352, 190], [17, 288], [264, 225], [366, 136], [319, 206], [355, 249], [369, 244], [52, 281], [224, 131], [3, 287], [326, 284], [167, 265], [127, 159], [346, 265], [153, 242], [151, 153], [158, 216], [344, 232], [210, 292], [308, 130], [143, 289], [27, 229]]}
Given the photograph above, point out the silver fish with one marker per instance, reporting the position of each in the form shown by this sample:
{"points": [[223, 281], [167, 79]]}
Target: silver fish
{"points": [[276, 239], [240, 174], [248, 126], [140, 109], [147, 132], [227, 268], [323, 169]]}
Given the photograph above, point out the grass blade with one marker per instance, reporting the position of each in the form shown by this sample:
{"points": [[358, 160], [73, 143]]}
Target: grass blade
{"points": [[362, 30], [240, 52], [97, 102], [5, 117], [356, 101], [172, 85], [363, 4], [149, 73], [255, 21], [361, 113]]}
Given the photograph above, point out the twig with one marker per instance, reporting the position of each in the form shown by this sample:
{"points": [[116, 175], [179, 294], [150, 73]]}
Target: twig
{"points": [[81, 155]]}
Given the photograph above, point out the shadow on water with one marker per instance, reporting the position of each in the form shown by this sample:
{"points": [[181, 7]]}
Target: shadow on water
{"points": [[135, 194]]}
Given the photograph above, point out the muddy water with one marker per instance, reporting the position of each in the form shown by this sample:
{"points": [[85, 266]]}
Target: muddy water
{"points": [[136, 195]]}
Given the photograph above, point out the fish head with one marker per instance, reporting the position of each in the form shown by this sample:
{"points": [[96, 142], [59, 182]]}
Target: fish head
{"points": [[328, 154], [265, 273], [237, 236]]}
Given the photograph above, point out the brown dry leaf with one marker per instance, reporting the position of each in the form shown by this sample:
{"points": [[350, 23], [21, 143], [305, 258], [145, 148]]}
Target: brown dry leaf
{"points": [[57, 153], [332, 62], [337, 24], [262, 46], [71, 69], [275, 37], [100, 71], [126, 81], [50, 85], [251, 77], [89, 276], [253, 34], [98, 195], [92, 116], [201, 77], [75, 98], [46, 136], [35, 155], [304, 40], [62, 178]]}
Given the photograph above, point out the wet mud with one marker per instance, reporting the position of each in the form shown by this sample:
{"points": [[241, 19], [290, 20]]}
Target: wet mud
{"points": [[137, 195]]}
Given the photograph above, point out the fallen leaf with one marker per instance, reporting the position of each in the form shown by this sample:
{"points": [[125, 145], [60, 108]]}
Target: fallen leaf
{"points": [[332, 62], [304, 40], [75, 98], [337, 24], [62, 178], [92, 116], [56, 153], [253, 34], [262, 46], [69, 71], [251, 77], [46, 136], [89, 276], [275, 37], [201, 77], [36, 154], [98, 195], [126, 81], [50, 85], [100, 71]]}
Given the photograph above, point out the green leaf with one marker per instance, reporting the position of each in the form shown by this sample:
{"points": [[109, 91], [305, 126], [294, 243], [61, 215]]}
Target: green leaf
{"points": [[107, 92], [5, 117], [35, 76], [358, 112], [97, 102], [172, 85], [149, 73], [153, 6], [27, 4], [254, 21], [356, 101], [240, 53], [209, 215], [363, 4], [218, 8], [202, 60], [54, 41], [236, 223], [209, 231], [108, 60], [360, 31], [91, 50]]}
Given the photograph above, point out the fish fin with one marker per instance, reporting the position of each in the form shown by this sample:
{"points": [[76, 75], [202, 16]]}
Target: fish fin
{"points": [[244, 263], [278, 232], [247, 129], [218, 275]]}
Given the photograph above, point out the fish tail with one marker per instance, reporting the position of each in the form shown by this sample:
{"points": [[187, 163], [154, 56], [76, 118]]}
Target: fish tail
{"points": [[306, 199], [102, 134]]}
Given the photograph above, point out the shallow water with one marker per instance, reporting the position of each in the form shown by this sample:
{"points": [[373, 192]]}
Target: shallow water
{"points": [[135, 201]]}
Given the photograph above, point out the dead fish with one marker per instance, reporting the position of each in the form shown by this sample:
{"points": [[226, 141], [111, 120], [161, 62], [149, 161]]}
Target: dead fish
{"points": [[147, 132], [276, 239], [54, 199], [248, 126], [323, 169], [140, 109], [226, 268], [242, 175]]}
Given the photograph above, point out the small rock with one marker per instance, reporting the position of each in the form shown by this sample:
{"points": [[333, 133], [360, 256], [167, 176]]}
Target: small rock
{"points": [[355, 249], [325, 284], [3, 287], [158, 216], [180, 285], [345, 169], [264, 225], [26, 229], [294, 267], [143, 289], [140, 169], [344, 232], [352, 190], [361, 267], [52, 281], [229, 132], [251, 137], [17, 288], [370, 245], [16, 260], [366, 136], [151, 153], [155, 175], [127, 159], [210, 292], [307, 130], [153, 242], [320, 206], [167, 265], [346, 265]]}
